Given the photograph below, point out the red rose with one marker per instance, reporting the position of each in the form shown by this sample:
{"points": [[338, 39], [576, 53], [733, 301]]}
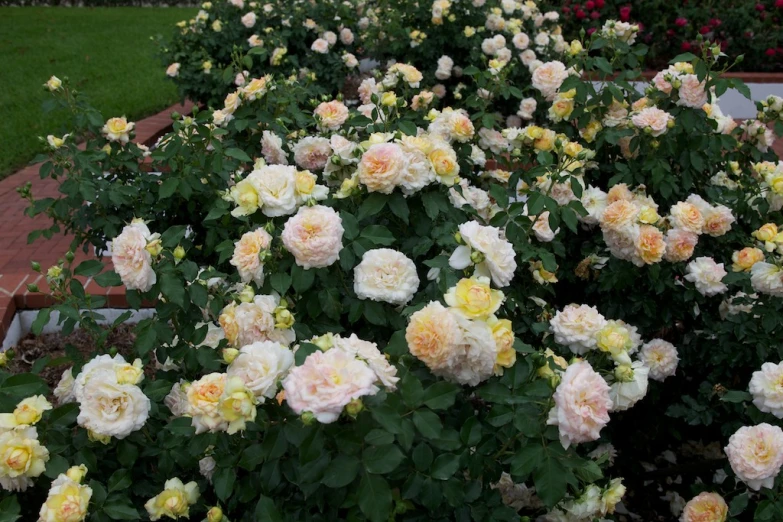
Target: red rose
{"points": [[566, 9], [625, 13], [589, 5], [595, 15], [681, 22], [686, 46], [770, 52], [778, 4], [590, 31], [670, 33], [600, 3], [759, 7], [580, 14], [705, 29]]}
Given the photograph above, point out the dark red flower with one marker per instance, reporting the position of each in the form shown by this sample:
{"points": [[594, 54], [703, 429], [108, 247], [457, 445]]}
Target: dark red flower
{"points": [[589, 5], [670, 33], [566, 9], [625, 13], [686, 46], [590, 31], [715, 22], [770, 52], [595, 15], [580, 14], [760, 7], [681, 22], [600, 3], [705, 29], [779, 4]]}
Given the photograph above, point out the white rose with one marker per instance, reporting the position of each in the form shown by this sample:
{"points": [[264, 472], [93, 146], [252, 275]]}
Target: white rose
{"points": [[261, 366], [276, 188], [385, 275], [112, 409]]}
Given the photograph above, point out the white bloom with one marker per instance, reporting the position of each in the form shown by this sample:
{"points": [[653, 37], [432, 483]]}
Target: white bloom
{"points": [[626, 393], [706, 274], [498, 253], [109, 408], [261, 365], [386, 275], [766, 385], [576, 326], [249, 20], [767, 278], [369, 353], [661, 357], [275, 186], [272, 149], [206, 467], [132, 261]]}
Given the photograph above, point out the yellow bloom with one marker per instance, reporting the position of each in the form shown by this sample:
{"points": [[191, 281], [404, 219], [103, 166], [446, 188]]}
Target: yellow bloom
{"points": [[229, 324], [67, 501], [244, 195], [743, 260], [21, 455], [28, 412], [474, 298], [174, 501], [503, 334], [76, 473], [648, 215], [575, 48], [444, 162], [129, 373], [237, 405], [304, 182], [53, 83], [613, 338], [388, 99], [469, 31]]}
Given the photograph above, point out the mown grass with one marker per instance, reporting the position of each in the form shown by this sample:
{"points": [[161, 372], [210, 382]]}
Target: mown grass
{"points": [[106, 52]]}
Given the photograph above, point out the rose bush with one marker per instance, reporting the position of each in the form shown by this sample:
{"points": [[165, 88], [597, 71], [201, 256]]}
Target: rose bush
{"points": [[410, 311]]}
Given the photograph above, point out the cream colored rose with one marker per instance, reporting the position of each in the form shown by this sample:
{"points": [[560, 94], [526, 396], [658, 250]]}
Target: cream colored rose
{"points": [[331, 115], [118, 129], [67, 501], [112, 409], [28, 412], [175, 500], [548, 78], [692, 92], [21, 457], [382, 167], [686, 216], [203, 398], [314, 236], [248, 254], [385, 275], [261, 366]]}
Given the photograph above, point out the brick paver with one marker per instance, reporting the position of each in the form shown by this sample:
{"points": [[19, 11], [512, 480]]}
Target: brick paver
{"points": [[16, 254]]}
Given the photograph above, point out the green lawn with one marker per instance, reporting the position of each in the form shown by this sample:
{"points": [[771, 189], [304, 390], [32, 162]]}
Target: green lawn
{"points": [[106, 53]]}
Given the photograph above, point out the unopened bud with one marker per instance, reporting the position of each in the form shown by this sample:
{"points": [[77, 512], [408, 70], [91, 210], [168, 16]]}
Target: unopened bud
{"points": [[154, 247], [179, 253], [354, 408], [458, 239], [247, 294], [215, 514], [32, 287], [113, 351], [175, 115], [54, 272], [284, 319], [477, 257], [36, 266], [76, 473], [69, 256], [229, 354], [308, 418]]}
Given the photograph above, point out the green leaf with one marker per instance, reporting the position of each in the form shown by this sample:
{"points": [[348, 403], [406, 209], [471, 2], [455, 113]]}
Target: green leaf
{"points": [[550, 480], [499, 194], [266, 511], [441, 395], [684, 57], [280, 282], [374, 497], [41, 320], [173, 289], [341, 471], [120, 509], [399, 206], [738, 504], [238, 154], [736, 396], [10, 510], [373, 204], [88, 268], [56, 465], [223, 480], [302, 279], [385, 416], [24, 385], [120, 480], [168, 188], [427, 423], [422, 457], [408, 127], [382, 459], [445, 466], [65, 415], [378, 234], [304, 350], [110, 278]]}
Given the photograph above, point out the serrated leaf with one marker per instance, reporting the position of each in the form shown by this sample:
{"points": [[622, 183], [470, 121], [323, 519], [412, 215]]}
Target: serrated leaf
{"points": [[239, 154]]}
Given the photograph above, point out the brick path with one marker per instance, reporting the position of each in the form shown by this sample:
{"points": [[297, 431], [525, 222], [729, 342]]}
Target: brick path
{"points": [[16, 254]]}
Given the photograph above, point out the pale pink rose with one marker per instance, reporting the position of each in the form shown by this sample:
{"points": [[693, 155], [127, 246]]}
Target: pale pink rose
{"points": [[132, 261], [326, 383], [382, 167], [692, 92], [705, 507], [320, 46], [261, 365], [575, 326], [246, 255], [766, 386], [172, 71], [706, 275], [331, 115], [366, 89], [314, 236], [661, 84], [521, 41], [527, 108], [680, 244], [439, 90], [255, 41], [548, 78], [686, 215], [756, 454], [272, 148], [652, 118], [661, 357], [346, 36], [330, 37], [312, 153], [249, 20], [582, 405], [541, 228]]}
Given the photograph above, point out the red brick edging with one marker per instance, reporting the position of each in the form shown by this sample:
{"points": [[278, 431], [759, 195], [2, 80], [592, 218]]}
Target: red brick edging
{"points": [[16, 254]]}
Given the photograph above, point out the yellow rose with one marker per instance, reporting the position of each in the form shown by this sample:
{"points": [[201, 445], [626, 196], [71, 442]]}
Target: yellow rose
{"points": [[28, 412], [776, 183], [76, 473], [746, 258], [215, 514], [118, 129], [575, 48], [129, 373], [21, 455], [284, 319], [67, 501], [503, 334], [648, 215], [444, 162], [591, 130], [474, 298], [613, 338], [304, 182], [229, 324], [766, 233], [244, 195], [469, 31], [546, 142], [612, 496], [572, 149], [237, 405], [53, 84], [650, 245], [174, 501]]}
